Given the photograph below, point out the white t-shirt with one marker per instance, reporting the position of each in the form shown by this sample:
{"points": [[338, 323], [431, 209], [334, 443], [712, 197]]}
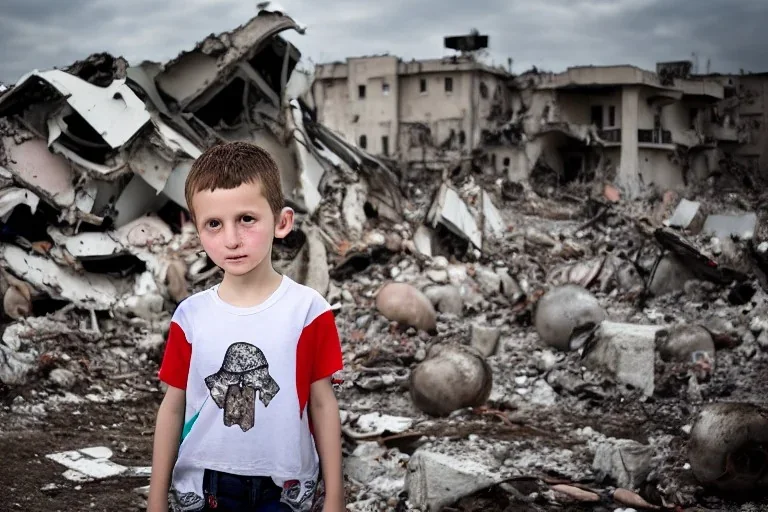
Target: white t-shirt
{"points": [[247, 373]]}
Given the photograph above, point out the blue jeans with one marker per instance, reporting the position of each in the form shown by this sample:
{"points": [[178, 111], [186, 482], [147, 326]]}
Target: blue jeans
{"points": [[224, 492]]}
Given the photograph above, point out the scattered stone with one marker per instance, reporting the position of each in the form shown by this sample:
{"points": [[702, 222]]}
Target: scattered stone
{"points": [[447, 299], [624, 461], [509, 287], [63, 378], [488, 280], [626, 351], [151, 343], [437, 275], [402, 303], [485, 339], [543, 394], [436, 480], [762, 340], [382, 470]]}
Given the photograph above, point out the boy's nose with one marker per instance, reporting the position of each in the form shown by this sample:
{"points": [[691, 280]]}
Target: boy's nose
{"points": [[231, 239]]}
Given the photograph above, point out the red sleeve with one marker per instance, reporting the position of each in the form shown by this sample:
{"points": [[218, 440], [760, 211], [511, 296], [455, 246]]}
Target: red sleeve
{"points": [[328, 359], [175, 366], [318, 354]]}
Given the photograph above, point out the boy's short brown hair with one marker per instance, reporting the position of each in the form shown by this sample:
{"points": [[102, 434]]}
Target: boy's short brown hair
{"points": [[231, 164]]}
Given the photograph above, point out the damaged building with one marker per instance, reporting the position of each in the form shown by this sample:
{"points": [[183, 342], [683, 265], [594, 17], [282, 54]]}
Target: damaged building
{"points": [[643, 130], [98, 153], [424, 112]]}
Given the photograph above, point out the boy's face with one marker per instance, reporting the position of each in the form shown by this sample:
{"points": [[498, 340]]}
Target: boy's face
{"points": [[237, 227]]}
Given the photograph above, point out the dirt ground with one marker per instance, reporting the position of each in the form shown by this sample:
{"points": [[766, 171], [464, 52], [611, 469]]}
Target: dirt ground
{"points": [[31, 482], [126, 428]]}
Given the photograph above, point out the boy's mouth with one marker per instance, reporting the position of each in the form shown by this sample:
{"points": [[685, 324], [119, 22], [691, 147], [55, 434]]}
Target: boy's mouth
{"points": [[236, 258]]}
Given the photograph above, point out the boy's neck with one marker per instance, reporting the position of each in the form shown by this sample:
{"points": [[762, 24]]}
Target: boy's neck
{"points": [[250, 289]]}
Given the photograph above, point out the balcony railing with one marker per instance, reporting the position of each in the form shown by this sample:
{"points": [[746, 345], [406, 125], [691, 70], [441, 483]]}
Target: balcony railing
{"points": [[654, 136], [611, 134]]}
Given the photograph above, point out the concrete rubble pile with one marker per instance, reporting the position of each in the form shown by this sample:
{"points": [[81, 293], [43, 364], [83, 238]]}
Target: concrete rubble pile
{"points": [[93, 160], [506, 348]]}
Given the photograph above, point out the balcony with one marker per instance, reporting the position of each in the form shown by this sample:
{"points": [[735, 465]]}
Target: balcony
{"points": [[611, 136], [722, 133], [655, 139]]}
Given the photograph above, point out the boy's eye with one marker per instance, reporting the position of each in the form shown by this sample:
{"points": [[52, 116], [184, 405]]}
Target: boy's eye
{"points": [[248, 219], [213, 224]]}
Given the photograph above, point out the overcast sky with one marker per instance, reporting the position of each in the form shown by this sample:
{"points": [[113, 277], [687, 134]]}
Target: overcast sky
{"points": [[552, 34]]}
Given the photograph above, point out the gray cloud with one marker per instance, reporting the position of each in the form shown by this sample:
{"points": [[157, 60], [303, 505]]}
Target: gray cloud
{"points": [[551, 34]]}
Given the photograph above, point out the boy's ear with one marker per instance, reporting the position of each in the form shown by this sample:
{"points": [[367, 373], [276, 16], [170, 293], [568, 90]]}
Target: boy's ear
{"points": [[284, 223]]}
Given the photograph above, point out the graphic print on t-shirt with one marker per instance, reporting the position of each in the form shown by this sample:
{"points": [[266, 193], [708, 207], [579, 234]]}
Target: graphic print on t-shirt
{"points": [[244, 372]]}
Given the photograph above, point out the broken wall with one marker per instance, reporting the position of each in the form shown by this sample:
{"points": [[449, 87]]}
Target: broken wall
{"points": [[658, 168]]}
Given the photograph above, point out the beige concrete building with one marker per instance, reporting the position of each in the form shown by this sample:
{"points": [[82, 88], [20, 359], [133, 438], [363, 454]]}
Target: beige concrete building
{"points": [[623, 121], [643, 130], [416, 110]]}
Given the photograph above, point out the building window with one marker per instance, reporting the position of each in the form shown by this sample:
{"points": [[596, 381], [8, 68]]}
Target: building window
{"points": [[361, 92], [385, 89], [423, 85], [385, 145], [483, 90], [611, 116], [448, 84], [596, 116], [363, 141]]}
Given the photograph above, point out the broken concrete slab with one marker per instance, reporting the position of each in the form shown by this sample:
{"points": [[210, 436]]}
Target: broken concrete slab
{"points": [[115, 112], [93, 463], [382, 470], [15, 365], [48, 175], [625, 461], [435, 480], [627, 351], [446, 299], [485, 339], [85, 290], [452, 212], [12, 197], [726, 226], [684, 214], [493, 222]]}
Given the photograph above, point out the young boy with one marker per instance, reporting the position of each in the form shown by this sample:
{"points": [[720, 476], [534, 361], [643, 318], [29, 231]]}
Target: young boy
{"points": [[250, 418]]}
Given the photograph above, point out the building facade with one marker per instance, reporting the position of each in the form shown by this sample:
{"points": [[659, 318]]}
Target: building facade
{"points": [[411, 110], [643, 128]]}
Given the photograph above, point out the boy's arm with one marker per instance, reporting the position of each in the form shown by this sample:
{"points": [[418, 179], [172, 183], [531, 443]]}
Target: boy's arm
{"points": [[324, 410], [170, 421]]}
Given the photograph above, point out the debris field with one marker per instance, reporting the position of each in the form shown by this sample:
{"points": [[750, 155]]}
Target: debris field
{"points": [[508, 346]]}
